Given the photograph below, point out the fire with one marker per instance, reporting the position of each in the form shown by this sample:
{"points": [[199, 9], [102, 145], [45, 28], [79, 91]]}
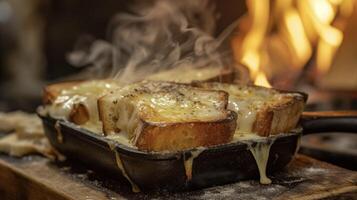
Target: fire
{"points": [[298, 41], [302, 28], [262, 80], [250, 52], [321, 15], [252, 60]]}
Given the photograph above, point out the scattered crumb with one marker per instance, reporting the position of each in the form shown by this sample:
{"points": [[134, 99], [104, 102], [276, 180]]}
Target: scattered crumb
{"points": [[25, 136]]}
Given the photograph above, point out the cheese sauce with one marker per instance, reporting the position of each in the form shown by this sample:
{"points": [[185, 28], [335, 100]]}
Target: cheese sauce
{"points": [[260, 151], [246, 115], [182, 105], [59, 132], [134, 187], [188, 163], [120, 165], [121, 138], [297, 145], [261, 155], [186, 74], [238, 136], [247, 102], [85, 93]]}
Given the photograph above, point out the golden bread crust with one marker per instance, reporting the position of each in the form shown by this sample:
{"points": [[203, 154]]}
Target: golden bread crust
{"points": [[79, 114], [279, 118], [180, 136]]}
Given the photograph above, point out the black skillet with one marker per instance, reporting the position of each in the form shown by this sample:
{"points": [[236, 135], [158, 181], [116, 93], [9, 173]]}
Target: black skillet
{"points": [[214, 166]]}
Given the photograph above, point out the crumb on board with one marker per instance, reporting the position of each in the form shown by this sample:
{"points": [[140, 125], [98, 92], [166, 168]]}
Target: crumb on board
{"points": [[24, 135]]}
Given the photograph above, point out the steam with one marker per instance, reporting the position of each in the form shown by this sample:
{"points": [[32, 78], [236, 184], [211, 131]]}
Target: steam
{"points": [[160, 36]]}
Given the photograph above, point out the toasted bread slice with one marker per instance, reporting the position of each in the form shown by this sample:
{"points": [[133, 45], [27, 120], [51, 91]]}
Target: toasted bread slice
{"points": [[159, 116], [51, 92], [197, 74], [260, 110], [77, 101]]}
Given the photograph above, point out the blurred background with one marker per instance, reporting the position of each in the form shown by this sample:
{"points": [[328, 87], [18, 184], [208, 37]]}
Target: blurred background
{"points": [[306, 45], [37, 35]]}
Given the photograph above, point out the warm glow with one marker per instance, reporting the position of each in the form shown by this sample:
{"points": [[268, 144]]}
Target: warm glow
{"points": [[297, 37], [324, 56], [252, 43], [259, 13], [346, 7], [336, 2], [323, 11], [262, 80], [287, 33], [330, 37], [252, 61], [331, 40]]}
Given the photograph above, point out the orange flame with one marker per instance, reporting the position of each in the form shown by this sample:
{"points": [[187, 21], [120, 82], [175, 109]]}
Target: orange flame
{"points": [[251, 44], [297, 39], [321, 15], [301, 25], [262, 80]]}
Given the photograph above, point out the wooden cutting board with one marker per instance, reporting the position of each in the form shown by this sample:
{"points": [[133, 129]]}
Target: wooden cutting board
{"points": [[34, 177]]}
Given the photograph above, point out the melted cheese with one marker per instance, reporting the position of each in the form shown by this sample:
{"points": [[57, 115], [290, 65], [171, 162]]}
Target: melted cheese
{"points": [[128, 121], [247, 102], [59, 132], [85, 93], [260, 153], [134, 187], [170, 107], [188, 163], [111, 145], [120, 165], [121, 138], [187, 74], [298, 144], [246, 115], [63, 105], [93, 126], [239, 136], [261, 150]]}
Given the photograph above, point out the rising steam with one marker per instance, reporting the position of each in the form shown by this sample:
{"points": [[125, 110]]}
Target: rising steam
{"points": [[159, 36]]}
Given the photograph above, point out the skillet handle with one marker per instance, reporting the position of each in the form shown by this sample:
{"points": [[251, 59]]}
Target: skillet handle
{"points": [[329, 121]]}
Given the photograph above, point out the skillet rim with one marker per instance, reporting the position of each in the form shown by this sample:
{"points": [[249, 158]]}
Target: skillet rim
{"points": [[130, 151]]}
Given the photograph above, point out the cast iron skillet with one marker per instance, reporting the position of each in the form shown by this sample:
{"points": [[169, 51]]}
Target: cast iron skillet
{"points": [[216, 165]]}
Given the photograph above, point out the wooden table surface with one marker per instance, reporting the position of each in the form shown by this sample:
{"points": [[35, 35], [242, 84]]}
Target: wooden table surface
{"points": [[35, 177]]}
